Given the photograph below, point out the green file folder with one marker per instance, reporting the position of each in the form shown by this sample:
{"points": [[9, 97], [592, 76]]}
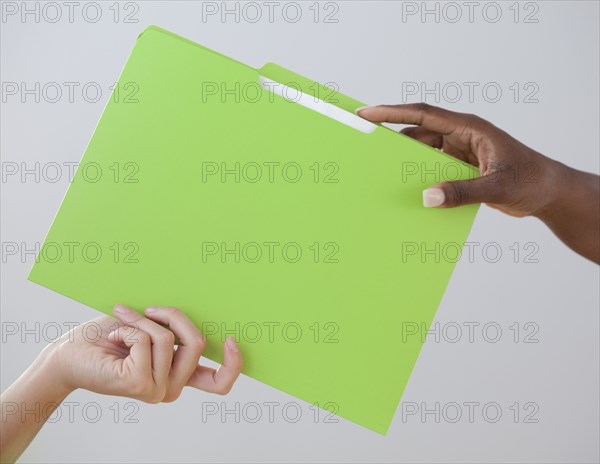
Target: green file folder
{"points": [[258, 217]]}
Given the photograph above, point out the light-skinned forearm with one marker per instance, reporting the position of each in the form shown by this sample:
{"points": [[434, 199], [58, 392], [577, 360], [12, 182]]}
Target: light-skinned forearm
{"points": [[27, 404]]}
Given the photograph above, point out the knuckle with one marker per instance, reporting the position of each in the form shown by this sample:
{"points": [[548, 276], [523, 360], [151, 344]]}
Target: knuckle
{"points": [[172, 395], [198, 341], [423, 107], [165, 338], [458, 193], [131, 326], [156, 395], [152, 399], [476, 122], [137, 336], [223, 389]]}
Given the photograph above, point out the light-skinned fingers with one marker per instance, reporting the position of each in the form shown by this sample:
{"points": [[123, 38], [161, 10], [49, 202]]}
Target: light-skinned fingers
{"points": [[220, 381], [190, 349], [162, 342], [139, 344]]}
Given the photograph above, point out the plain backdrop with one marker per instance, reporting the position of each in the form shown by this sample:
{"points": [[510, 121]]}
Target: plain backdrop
{"points": [[541, 375]]}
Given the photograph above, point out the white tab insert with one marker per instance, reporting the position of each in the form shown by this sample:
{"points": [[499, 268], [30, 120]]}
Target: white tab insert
{"points": [[320, 106]]}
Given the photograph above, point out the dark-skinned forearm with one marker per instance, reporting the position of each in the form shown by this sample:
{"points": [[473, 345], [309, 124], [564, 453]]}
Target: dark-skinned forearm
{"points": [[573, 213]]}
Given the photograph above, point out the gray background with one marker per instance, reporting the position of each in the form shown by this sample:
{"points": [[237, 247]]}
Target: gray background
{"points": [[370, 52]]}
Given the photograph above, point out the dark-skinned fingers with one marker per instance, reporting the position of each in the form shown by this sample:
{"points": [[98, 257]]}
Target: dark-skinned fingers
{"points": [[486, 189], [430, 117], [426, 136]]}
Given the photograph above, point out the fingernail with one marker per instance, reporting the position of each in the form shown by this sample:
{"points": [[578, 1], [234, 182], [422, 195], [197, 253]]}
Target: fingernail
{"points": [[112, 335], [120, 309], [362, 108], [232, 344], [151, 309], [433, 197]]}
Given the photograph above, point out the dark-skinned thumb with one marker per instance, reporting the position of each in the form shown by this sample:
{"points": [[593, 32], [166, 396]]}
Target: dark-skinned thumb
{"points": [[463, 192]]}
